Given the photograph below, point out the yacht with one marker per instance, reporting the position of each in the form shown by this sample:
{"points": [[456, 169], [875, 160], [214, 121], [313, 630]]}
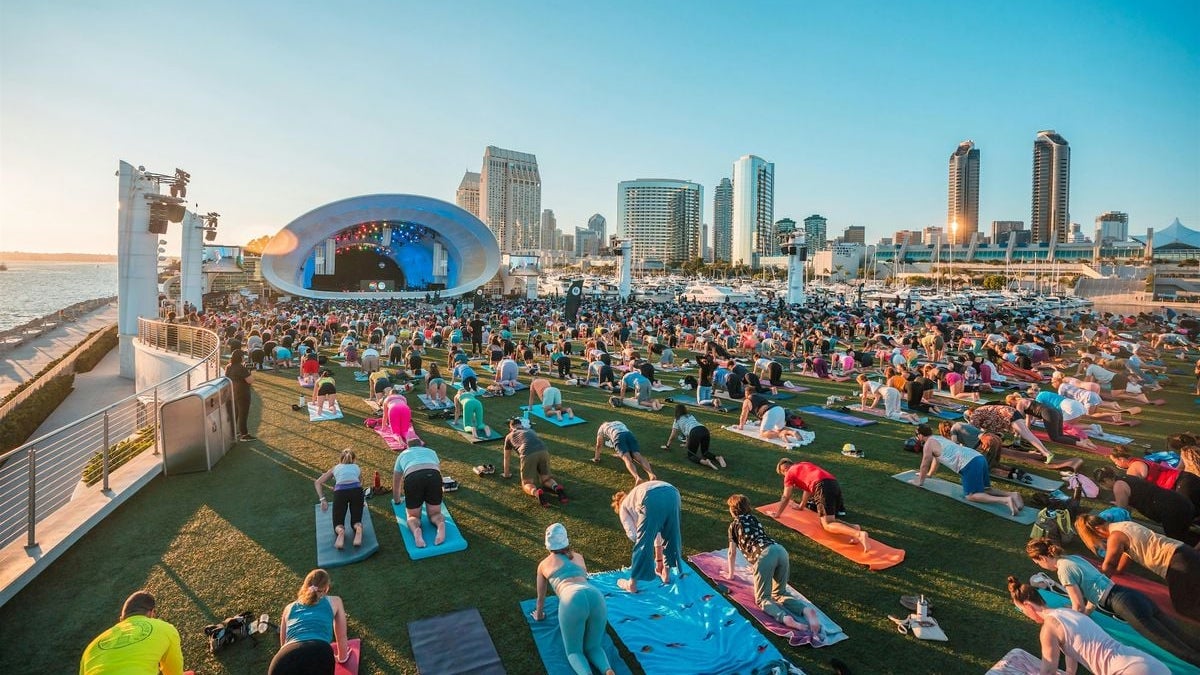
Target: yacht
{"points": [[716, 294]]}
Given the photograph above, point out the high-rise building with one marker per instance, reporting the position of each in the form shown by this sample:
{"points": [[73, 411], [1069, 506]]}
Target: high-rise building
{"points": [[467, 195], [934, 234], [705, 246], [962, 202], [598, 224], [1051, 211], [661, 218], [785, 229], [1112, 226], [723, 221], [549, 231], [907, 236], [815, 232], [1001, 228], [510, 197], [1076, 235], [586, 242], [855, 234], [753, 233]]}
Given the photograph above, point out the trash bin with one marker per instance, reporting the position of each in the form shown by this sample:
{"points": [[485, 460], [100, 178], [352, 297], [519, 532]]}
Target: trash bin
{"points": [[197, 427]]}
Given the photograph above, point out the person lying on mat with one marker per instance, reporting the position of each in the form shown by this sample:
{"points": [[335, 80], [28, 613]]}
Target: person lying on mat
{"points": [[1166, 507], [697, 437], [534, 462], [1051, 417], [468, 408], [769, 569], [971, 466], [307, 627], [582, 611], [139, 644], [1076, 637], [325, 392], [435, 386], [1089, 589], [417, 479], [347, 495], [550, 397], [1088, 395], [618, 436], [819, 486], [772, 419], [878, 391], [1001, 419], [1171, 559], [649, 515]]}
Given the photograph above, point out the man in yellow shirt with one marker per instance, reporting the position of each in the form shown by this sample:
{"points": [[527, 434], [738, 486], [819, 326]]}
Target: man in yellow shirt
{"points": [[140, 643]]}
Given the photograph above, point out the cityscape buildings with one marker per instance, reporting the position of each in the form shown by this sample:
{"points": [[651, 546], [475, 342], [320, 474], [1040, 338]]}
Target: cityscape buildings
{"points": [[549, 237], [723, 221], [909, 236], [510, 197], [1050, 214], [753, 232], [815, 233], [467, 195], [855, 234], [1001, 228], [598, 225], [661, 218], [962, 203], [1112, 226], [785, 228]]}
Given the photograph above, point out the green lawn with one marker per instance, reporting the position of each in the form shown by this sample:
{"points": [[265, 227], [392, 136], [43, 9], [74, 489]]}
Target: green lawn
{"points": [[241, 538]]}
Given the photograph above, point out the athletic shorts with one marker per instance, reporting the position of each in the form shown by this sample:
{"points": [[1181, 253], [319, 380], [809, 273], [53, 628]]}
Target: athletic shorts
{"points": [[534, 466], [774, 420], [423, 487], [827, 495], [381, 385], [626, 444], [975, 476], [327, 390], [551, 398], [435, 382]]}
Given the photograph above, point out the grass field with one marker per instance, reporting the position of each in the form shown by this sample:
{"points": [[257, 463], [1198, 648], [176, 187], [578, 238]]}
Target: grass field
{"points": [[241, 538]]}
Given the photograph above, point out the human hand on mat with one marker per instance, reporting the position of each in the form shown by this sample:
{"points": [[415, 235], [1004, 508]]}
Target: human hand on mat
{"points": [[538, 614]]}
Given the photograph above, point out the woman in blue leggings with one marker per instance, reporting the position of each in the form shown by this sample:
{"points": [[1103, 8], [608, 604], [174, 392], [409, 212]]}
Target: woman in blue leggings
{"points": [[582, 613]]}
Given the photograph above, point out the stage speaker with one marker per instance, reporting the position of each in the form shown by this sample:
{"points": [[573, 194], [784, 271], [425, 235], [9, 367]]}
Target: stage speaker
{"points": [[803, 253], [175, 213], [158, 218]]}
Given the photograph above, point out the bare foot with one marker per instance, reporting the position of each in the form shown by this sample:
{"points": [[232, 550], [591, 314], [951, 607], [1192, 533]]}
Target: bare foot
{"points": [[709, 464], [864, 540], [340, 542], [627, 585], [651, 476], [441, 535], [792, 623], [358, 535], [418, 537]]}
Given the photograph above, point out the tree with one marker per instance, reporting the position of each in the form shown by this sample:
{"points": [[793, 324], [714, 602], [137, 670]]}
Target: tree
{"points": [[994, 282], [256, 246]]}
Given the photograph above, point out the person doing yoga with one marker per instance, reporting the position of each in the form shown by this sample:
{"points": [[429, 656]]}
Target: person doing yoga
{"points": [[417, 479], [347, 495], [879, 391], [468, 406], [582, 612], [770, 568], [1166, 507], [772, 420], [649, 515], [306, 628], [971, 466], [550, 397], [1051, 417], [139, 644], [697, 437], [1001, 419], [618, 436], [819, 486], [534, 463], [1078, 639]]}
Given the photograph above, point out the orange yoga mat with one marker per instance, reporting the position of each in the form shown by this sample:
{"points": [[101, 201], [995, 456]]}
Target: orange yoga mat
{"points": [[879, 557]]}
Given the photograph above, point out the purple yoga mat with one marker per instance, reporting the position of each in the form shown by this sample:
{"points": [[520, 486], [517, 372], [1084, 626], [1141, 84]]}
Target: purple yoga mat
{"points": [[837, 416]]}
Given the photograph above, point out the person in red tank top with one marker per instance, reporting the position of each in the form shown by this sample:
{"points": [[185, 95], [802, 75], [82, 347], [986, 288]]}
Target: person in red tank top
{"points": [[826, 494], [1163, 476]]}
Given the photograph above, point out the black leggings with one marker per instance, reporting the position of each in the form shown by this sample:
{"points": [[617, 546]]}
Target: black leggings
{"points": [[1146, 618], [564, 366], [352, 499], [775, 374], [241, 409], [1183, 582], [1052, 418], [307, 657], [697, 444]]}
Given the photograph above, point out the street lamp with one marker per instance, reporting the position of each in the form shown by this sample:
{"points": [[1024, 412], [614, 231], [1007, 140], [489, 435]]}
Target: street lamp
{"points": [[953, 230]]}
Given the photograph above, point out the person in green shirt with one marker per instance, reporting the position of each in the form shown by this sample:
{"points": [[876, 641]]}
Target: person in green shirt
{"points": [[139, 644]]}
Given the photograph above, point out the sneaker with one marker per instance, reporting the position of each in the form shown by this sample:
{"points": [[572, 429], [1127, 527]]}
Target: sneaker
{"points": [[1050, 458], [562, 495], [543, 499], [247, 437]]}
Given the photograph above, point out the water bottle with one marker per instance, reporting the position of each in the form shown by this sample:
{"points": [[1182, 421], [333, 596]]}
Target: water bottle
{"points": [[302, 401], [922, 607]]}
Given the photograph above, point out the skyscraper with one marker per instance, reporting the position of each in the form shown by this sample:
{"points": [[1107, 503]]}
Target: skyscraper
{"points": [[510, 197], [1112, 226], [1051, 211], [467, 195], [753, 210], [598, 224], [549, 231], [661, 218], [962, 202], [1001, 229], [723, 221], [855, 234], [815, 233], [785, 228]]}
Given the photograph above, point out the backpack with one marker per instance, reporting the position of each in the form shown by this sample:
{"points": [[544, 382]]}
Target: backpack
{"points": [[795, 421], [1054, 524], [229, 631]]}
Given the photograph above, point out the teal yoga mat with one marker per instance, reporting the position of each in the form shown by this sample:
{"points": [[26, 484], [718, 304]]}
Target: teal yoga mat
{"points": [[327, 555], [1125, 634], [549, 642], [536, 411], [470, 436], [454, 539], [954, 491]]}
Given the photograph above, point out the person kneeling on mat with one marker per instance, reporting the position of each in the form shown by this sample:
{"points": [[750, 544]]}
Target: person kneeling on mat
{"points": [[582, 612], [306, 628], [971, 466], [325, 392], [697, 437], [550, 397], [772, 419], [469, 409], [649, 515], [534, 462], [347, 495], [826, 495], [621, 439], [769, 567], [417, 478]]}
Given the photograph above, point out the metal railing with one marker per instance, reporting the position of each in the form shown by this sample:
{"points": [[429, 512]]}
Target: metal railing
{"points": [[41, 476]]}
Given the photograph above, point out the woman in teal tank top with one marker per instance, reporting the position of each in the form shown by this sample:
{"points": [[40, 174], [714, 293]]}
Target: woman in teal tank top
{"points": [[306, 628], [582, 613]]}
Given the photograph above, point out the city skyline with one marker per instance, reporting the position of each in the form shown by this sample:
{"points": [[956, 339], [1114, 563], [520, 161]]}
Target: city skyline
{"points": [[269, 133]]}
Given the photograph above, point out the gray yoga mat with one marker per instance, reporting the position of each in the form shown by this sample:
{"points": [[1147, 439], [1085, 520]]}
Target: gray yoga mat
{"points": [[453, 644], [954, 491], [328, 556]]}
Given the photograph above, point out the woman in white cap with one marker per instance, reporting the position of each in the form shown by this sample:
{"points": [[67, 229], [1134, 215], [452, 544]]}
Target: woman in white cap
{"points": [[582, 613]]}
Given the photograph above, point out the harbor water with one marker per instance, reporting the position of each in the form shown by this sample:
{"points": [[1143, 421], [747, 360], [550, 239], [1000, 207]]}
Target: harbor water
{"points": [[30, 290]]}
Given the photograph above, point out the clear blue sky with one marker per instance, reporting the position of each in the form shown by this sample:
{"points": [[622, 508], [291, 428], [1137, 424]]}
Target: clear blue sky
{"points": [[279, 108]]}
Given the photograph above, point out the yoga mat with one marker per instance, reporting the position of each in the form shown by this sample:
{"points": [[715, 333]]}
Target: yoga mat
{"points": [[325, 416], [548, 639], [375, 406], [954, 491], [940, 412], [836, 416], [327, 555], [393, 441], [1032, 480], [454, 644], [454, 539], [806, 522], [457, 426], [659, 386], [429, 405], [1102, 450], [1125, 634], [751, 431], [307, 385], [536, 411], [690, 399], [1019, 662], [831, 378], [350, 667], [741, 591], [794, 387], [361, 377], [684, 627], [1155, 590], [880, 413]]}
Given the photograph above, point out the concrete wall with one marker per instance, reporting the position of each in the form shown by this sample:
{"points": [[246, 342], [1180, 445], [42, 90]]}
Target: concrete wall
{"points": [[154, 366]]}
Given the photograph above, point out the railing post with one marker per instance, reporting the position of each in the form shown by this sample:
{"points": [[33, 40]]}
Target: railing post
{"points": [[157, 440], [104, 453], [31, 540], [189, 380]]}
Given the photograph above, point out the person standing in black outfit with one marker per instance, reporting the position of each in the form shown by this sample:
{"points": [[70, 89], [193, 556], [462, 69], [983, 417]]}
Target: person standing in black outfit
{"points": [[242, 378], [476, 335]]}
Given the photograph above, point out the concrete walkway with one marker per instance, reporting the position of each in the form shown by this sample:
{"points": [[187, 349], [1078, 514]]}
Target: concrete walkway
{"points": [[93, 391], [24, 361]]}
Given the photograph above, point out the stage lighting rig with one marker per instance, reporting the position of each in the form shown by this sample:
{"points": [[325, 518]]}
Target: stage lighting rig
{"points": [[210, 225], [177, 183]]}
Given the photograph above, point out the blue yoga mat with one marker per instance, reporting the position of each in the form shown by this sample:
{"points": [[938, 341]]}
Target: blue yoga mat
{"points": [[837, 416], [549, 642], [936, 412], [955, 492], [454, 539], [470, 436], [327, 555], [536, 411], [684, 627], [1125, 634]]}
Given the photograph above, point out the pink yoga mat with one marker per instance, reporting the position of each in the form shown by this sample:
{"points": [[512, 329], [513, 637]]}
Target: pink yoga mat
{"points": [[879, 557], [1102, 450], [350, 667]]}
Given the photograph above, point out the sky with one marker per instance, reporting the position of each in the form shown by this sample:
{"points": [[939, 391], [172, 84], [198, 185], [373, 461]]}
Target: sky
{"points": [[278, 108]]}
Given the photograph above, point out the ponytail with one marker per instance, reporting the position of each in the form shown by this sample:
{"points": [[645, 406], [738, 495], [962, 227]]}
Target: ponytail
{"points": [[1087, 526], [314, 584], [1022, 593]]}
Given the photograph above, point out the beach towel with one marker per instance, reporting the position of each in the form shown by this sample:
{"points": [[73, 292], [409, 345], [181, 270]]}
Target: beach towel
{"points": [[429, 405], [325, 415], [741, 591], [1123, 633], [361, 377], [954, 491], [837, 416], [327, 555], [454, 644], [806, 522], [567, 421], [751, 431], [470, 436], [454, 540], [548, 639], [880, 413], [684, 627], [350, 667]]}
